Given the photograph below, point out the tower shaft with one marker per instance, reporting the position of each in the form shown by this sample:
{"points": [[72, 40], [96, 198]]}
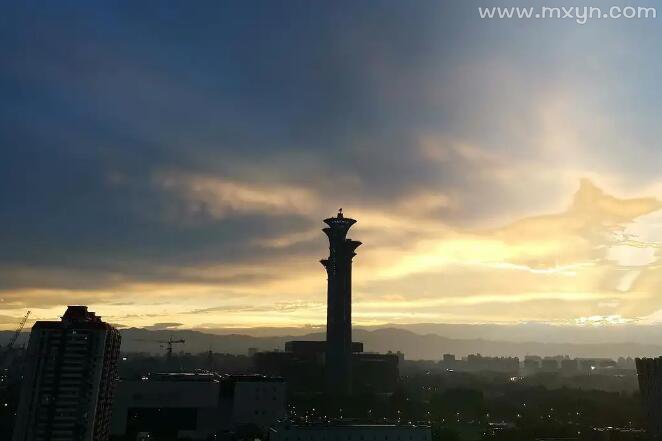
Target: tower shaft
{"points": [[339, 304]]}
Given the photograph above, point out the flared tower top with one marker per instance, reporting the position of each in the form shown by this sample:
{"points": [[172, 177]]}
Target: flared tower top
{"points": [[339, 225]]}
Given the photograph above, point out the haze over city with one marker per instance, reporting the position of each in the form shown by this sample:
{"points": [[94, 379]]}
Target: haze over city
{"points": [[169, 167]]}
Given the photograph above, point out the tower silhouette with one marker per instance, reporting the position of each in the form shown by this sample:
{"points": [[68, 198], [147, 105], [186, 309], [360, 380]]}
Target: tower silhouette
{"points": [[338, 266]]}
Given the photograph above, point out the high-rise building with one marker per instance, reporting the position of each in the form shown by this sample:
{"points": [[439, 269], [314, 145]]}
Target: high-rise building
{"points": [[69, 381], [339, 304], [649, 374]]}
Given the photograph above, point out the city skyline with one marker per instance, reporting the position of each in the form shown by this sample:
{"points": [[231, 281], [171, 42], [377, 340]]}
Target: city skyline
{"points": [[170, 167]]}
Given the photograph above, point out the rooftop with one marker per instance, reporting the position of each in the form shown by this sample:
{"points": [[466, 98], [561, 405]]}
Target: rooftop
{"points": [[347, 423], [206, 376]]}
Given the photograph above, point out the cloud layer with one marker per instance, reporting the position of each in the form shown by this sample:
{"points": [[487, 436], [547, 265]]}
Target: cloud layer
{"points": [[171, 163]]}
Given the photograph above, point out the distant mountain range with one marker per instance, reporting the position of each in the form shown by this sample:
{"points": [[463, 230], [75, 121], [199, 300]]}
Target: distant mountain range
{"points": [[414, 345], [521, 332]]}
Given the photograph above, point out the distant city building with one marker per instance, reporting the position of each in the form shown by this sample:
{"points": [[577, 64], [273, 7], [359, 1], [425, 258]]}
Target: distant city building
{"points": [[476, 362], [69, 380], [375, 372], [625, 363], [196, 405], [479, 363], [401, 356], [531, 364], [569, 366], [449, 362], [649, 374], [302, 364], [303, 374], [315, 348], [448, 358], [595, 365], [336, 431], [338, 369], [549, 364]]}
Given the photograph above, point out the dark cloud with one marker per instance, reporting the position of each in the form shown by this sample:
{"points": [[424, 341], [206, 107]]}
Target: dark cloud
{"points": [[99, 100], [276, 307], [163, 326], [10, 320]]}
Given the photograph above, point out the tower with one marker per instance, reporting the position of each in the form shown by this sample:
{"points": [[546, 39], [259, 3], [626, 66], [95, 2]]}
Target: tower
{"points": [[339, 304], [69, 381]]}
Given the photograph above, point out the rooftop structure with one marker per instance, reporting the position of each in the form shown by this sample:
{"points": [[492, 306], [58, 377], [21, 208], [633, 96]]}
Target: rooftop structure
{"points": [[349, 431], [196, 405]]}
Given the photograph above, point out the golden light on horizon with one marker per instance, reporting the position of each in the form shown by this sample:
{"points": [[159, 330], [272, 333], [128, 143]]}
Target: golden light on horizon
{"points": [[575, 259]]}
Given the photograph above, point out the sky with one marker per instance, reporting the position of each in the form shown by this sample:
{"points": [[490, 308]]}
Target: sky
{"points": [[169, 163]]}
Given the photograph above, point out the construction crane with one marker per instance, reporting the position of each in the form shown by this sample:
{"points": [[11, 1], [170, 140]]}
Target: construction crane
{"points": [[169, 344], [7, 353], [18, 331]]}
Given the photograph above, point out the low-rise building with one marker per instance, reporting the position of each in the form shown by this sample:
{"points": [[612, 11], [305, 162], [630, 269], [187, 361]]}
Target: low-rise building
{"points": [[303, 365], [254, 399], [197, 405], [338, 431]]}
